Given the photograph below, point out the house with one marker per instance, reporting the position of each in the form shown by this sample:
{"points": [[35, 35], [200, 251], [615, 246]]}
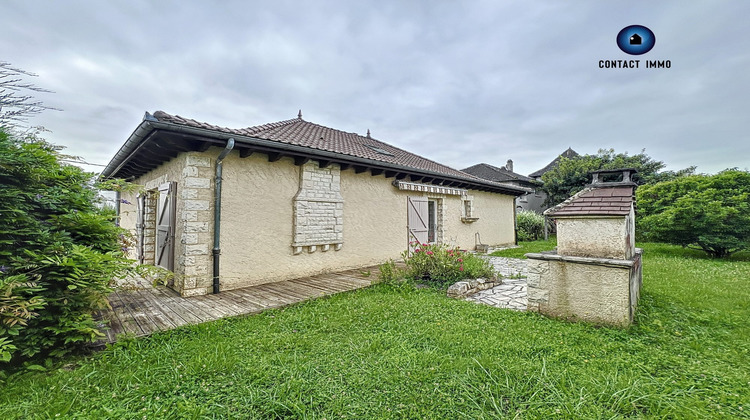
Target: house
{"points": [[229, 208], [532, 200], [570, 154]]}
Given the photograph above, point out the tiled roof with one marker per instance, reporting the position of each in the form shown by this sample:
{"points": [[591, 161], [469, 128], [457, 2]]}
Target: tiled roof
{"points": [[493, 173], [603, 201], [570, 154], [303, 133]]}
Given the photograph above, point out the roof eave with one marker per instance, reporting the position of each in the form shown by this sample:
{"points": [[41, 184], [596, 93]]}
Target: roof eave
{"points": [[141, 134]]}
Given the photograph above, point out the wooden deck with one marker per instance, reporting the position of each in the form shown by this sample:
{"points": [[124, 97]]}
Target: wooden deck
{"points": [[141, 310]]}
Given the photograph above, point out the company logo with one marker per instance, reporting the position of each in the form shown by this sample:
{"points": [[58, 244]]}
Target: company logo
{"points": [[636, 39]]}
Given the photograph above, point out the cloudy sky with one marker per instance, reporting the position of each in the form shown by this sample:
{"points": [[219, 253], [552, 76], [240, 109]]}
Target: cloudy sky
{"points": [[458, 82]]}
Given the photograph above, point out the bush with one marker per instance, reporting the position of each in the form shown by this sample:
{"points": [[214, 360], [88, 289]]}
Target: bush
{"points": [[443, 266], [58, 252], [530, 225], [709, 212]]}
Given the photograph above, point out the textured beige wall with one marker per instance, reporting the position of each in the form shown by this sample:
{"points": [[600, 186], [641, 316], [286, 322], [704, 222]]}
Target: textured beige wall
{"points": [[495, 224], [257, 215], [594, 237], [167, 172], [588, 292]]}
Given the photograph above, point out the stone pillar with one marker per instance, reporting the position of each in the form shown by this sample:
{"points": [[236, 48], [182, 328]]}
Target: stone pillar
{"points": [[195, 229]]}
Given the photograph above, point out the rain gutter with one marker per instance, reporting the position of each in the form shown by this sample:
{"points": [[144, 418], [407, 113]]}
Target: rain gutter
{"points": [[217, 212]]}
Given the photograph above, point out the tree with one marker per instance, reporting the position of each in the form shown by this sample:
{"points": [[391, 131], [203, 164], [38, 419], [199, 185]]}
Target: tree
{"points": [[15, 105], [59, 253], [572, 175], [708, 212]]}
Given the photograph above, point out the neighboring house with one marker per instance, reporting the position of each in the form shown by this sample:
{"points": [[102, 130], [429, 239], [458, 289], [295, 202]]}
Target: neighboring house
{"points": [[294, 199], [532, 200], [570, 154]]}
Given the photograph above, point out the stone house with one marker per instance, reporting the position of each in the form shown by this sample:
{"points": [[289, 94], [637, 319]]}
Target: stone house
{"points": [[532, 200], [290, 199]]}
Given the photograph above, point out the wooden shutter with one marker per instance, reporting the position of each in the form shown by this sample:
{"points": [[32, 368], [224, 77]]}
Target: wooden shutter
{"points": [[140, 233], [416, 215], [165, 215]]}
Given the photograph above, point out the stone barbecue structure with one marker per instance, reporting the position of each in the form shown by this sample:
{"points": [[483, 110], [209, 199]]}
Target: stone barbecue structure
{"points": [[595, 274]]}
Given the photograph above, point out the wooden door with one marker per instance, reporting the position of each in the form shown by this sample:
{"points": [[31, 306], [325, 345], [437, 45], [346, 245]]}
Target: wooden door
{"points": [[416, 215], [165, 217]]}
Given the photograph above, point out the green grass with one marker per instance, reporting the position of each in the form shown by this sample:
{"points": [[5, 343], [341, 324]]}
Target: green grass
{"points": [[400, 352], [527, 247]]}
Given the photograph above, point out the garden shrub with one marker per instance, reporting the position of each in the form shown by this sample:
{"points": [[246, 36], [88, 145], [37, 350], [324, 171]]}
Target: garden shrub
{"points": [[708, 212], [530, 225], [442, 266], [59, 253]]}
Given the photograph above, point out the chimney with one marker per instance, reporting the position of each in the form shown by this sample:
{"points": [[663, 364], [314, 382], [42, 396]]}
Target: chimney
{"points": [[509, 165], [623, 178]]}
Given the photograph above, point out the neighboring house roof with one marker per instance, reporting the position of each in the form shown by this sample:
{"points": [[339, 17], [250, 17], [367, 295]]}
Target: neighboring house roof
{"points": [[570, 154], [493, 173], [161, 136], [603, 201]]}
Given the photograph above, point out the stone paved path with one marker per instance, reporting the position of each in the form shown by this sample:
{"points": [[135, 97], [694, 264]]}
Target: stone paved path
{"points": [[512, 293]]}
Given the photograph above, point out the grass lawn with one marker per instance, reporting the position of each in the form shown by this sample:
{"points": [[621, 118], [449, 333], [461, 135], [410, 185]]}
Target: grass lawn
{"points": [[527, 247], [399, 352]]}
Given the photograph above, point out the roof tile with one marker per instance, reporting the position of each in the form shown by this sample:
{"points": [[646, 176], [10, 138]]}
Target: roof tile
{"points": [[303, 133], [606, 201]]}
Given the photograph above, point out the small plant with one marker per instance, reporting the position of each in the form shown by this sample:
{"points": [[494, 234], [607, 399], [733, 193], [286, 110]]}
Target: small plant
{"points": [[441, 266], [389, 273], [530, 225]]}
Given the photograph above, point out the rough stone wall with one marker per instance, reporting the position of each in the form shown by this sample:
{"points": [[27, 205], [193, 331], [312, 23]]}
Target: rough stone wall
{"points": [[588, 289], [318, 209]]}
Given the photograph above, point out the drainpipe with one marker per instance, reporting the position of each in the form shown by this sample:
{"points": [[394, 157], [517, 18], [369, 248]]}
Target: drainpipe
{"points": [[117, 208], [217, 212]]}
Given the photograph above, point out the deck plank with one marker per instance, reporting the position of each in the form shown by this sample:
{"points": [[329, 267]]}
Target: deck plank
{"points": [[246, 295], [136, 310], [147, 310], [124, 315], [163, 309]]}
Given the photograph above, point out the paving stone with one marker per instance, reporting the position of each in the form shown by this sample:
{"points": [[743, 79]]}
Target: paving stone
{"points": [[512, 294]]}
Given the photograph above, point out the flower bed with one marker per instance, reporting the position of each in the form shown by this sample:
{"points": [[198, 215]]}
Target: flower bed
{"points": [[441, 266]]}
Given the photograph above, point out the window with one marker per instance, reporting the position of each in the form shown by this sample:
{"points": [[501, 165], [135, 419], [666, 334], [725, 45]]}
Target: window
{"points": [[431, 221], [468, 212]]}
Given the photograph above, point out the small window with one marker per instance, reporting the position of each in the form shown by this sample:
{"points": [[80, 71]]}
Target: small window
{"points": [[467, 212]]}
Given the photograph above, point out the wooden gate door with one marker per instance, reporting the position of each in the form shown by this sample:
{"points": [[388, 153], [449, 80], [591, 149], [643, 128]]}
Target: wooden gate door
{"points": [[165, 216], [140, 228], [416, 215]]}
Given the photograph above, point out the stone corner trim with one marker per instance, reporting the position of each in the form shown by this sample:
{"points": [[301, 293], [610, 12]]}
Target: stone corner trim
{"points": [[196, 217], [318, 210]]}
